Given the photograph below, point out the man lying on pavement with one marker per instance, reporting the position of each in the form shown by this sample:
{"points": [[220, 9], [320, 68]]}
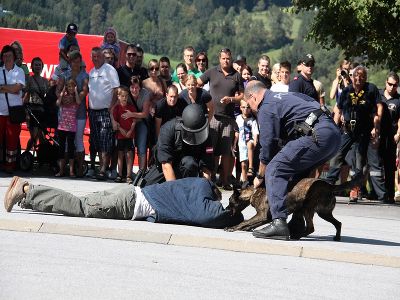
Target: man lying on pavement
{"points": [[188, 201]]}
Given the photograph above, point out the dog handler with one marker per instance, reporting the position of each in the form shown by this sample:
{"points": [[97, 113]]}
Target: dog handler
{"points": [[296, 136], [189, 201]]}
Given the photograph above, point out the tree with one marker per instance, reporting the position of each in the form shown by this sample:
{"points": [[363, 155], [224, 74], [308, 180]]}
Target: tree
{"points": [[97, 18], [279, 27], [365, 28], [260, 6]]}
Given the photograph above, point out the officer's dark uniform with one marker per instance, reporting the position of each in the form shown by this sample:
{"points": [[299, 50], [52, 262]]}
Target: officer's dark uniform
{"points": [[279, 115], [302, 85], [382, 160], [358, 111], [187, 160]]}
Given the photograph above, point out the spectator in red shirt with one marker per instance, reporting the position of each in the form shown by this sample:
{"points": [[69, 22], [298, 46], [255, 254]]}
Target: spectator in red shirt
{"points": [[125, 133]]}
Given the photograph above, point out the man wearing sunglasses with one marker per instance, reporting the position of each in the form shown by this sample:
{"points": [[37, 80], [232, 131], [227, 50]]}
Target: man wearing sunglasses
{"points": [[130, 68], [304, 83], [382, 159]]}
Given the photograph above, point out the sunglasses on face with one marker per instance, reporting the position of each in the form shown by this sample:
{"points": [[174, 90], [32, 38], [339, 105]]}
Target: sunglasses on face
{"points": [[154, 68], [201, 60], [131, 54], [392, 84]]}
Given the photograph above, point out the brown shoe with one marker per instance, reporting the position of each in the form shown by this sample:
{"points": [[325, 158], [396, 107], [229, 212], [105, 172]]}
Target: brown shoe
{"points": [[15, 192]]}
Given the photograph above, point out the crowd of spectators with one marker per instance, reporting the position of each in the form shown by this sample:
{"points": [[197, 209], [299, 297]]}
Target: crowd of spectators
{"points": [[128, 104]]}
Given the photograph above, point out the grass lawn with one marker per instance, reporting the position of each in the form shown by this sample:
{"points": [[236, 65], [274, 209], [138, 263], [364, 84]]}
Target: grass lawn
{"points": [[148, 56]]}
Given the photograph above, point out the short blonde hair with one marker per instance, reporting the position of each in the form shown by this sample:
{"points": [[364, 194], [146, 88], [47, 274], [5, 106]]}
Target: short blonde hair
{"points": [[242, 102], [191, 78]]}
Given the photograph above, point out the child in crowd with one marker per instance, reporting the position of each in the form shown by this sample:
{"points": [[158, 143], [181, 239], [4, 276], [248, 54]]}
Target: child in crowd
{"points": [[111, 42], [68, 101], [246, 137], [65, 43], [125, 132]]}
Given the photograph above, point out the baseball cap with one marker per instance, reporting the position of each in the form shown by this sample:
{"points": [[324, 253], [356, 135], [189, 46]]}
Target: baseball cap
{"points": [[240, 58], [72, 28], [308, 58]]}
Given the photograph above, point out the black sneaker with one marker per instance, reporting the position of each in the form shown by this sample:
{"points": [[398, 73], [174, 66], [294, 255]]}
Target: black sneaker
{"points": [[277, 230]]}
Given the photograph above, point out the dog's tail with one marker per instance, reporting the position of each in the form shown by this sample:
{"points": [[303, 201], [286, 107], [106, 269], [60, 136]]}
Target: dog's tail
{"points": [[349, 184]]}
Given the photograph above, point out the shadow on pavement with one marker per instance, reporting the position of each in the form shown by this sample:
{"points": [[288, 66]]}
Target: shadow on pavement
{"points": [[353, 240]]}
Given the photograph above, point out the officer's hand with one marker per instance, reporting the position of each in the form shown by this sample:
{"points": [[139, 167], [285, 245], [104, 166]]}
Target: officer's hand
{"points": [[257, 182]]}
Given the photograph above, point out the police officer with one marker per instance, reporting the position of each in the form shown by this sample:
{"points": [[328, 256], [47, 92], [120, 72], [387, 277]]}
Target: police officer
{"points": [[309, 136], [382, 160], [358, 113], [304, 83], [183, 148]]}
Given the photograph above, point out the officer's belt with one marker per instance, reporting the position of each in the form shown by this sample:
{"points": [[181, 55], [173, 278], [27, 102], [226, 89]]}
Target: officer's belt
{"points": [[306, 127]]}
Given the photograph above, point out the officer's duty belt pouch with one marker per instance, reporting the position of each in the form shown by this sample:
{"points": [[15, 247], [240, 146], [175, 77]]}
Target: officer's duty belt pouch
{"points": [[307, 127]]}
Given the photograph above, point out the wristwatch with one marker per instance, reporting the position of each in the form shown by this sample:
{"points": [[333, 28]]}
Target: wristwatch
{"points": [[259, 176]]}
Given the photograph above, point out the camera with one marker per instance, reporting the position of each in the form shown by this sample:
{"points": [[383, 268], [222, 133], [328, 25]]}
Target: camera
{"points": [[343, 73]]}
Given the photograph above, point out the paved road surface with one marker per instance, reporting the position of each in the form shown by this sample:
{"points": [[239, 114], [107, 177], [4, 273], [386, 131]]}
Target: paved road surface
{"points": [[44, 256], [44, 266]]}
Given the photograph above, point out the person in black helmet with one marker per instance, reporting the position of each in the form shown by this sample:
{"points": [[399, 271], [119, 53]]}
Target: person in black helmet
{"points": [[183, 149]]}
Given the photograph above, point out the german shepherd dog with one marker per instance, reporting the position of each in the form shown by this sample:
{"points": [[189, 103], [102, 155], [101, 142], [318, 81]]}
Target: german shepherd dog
{"points": [[308, 196]]}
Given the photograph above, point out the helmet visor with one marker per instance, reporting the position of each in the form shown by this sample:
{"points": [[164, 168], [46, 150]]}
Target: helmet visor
{"points": [[195, 136]]}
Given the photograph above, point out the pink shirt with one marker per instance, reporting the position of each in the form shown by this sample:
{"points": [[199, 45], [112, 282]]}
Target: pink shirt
{"points": [[67, 117]]}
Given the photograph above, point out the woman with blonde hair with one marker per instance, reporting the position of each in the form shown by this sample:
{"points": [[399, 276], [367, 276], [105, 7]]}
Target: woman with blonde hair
{"points": [[194, 94]]}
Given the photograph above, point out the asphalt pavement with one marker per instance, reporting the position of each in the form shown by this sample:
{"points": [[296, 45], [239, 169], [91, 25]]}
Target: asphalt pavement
{"points": [[370, 231]]}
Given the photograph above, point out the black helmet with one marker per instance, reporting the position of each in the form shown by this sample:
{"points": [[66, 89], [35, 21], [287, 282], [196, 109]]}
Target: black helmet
{"points": [[195, 125]]}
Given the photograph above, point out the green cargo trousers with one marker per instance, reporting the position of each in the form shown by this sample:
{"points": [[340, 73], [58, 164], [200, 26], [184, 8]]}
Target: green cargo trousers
{"points": [[116, 203]]}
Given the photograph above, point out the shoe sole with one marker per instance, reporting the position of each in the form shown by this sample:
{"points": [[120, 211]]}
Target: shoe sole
{"points": [[272, 237], [7, 200]]}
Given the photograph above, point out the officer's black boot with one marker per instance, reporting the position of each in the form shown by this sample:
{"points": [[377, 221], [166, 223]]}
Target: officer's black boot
{"points": [[277, 230]]}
